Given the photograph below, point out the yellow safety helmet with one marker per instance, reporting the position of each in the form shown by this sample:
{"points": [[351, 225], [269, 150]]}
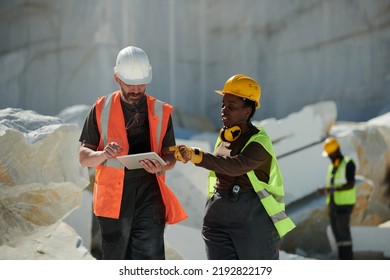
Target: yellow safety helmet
{"points": [[330, 145], [242, 86]]}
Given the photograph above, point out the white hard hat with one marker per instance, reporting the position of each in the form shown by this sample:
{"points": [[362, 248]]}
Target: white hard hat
{"points": [[133, 67]]}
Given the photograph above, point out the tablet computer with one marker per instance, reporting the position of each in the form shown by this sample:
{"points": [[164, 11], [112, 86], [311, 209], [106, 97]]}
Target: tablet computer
{"points": [[132, 161]]}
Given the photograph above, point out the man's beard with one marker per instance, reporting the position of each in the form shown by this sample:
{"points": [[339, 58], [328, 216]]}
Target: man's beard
{"points": [[132, 97]]}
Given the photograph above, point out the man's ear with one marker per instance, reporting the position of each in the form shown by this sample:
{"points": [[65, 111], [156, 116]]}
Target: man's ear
{"points": [[116, 78]]}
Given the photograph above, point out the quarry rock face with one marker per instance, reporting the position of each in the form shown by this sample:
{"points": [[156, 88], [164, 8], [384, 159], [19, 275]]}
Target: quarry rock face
{"points": [[342, 52], [368, 144], [41, 180]]}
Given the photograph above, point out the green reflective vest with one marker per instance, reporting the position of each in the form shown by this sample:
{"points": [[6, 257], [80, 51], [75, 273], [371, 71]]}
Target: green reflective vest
{"points": [[346, 197], [271, 194]]}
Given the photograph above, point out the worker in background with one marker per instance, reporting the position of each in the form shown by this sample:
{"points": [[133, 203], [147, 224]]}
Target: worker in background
{"points": [[132, 206], [245, 217], [340, 194]]}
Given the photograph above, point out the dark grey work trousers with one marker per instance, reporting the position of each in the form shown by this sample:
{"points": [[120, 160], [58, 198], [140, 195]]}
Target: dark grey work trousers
{"points": [[237, 227], [340, 217], [139, 232]]}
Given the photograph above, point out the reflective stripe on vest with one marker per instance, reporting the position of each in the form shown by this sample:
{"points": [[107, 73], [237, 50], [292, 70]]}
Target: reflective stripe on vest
{"points": [[155, 110], [110, 174], [271, 195], [346, 197], [104, 118], [159, 113]]}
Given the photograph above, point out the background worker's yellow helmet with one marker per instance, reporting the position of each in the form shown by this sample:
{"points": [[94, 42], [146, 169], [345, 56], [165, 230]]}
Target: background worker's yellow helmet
{"points": [[242, 86], [330, 145]]}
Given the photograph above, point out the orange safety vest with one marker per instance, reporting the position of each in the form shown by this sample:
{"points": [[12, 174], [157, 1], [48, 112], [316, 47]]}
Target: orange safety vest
{"points": [[109, 177]]}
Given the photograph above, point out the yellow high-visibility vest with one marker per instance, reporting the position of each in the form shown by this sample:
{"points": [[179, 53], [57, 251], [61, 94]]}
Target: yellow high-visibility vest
{"points": [[271, 194], [346, 197]]}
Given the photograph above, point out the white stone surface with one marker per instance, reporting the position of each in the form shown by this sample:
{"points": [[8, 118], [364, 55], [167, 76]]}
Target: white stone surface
{"points": [[61, 243], [75, 114], [55, 54], [303, 172], [81, 219], [41, 181], [301, 129]]}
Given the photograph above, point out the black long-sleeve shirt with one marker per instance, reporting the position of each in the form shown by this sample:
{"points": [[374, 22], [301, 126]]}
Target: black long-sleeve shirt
{"points": [[231, 165]]}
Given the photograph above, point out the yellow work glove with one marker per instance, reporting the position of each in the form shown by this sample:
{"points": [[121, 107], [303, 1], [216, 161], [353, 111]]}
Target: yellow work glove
{"points": [[184, 154], [193, 154], [176, 153]]}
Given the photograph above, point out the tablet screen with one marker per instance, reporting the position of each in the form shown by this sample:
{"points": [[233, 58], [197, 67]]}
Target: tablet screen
{"points": [[132, 161]]}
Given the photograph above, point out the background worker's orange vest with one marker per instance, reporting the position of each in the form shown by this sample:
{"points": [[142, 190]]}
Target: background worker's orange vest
{"points": [[108, 187]]}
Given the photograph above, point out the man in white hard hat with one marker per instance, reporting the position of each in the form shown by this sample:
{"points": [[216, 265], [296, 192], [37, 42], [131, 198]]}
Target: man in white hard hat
{"points": [[132, 206]]}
